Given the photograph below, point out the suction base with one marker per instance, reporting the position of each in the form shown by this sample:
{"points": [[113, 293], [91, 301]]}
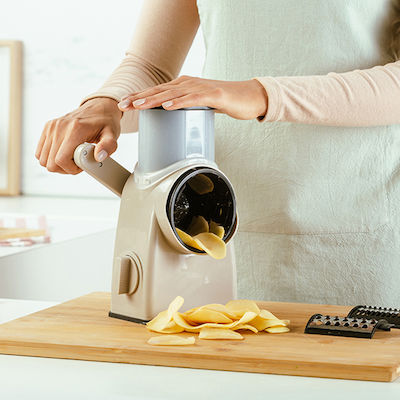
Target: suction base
{"points": [[126, 318]]}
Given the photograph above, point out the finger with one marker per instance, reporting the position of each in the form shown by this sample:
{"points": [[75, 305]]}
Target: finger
{"points": [[140, 97], [44, 154], [135, 100], [149, 90], [51, 165], [179, 80], [106, 145], [65, 153], [41, 142], [200, 99], [157, 99]]}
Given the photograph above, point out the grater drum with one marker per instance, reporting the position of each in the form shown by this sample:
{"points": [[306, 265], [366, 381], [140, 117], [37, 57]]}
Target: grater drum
{"points": [[151, 264]]}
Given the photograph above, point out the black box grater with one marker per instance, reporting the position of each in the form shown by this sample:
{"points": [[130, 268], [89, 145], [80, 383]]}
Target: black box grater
{"points": [[344, 326], [391, 315]]}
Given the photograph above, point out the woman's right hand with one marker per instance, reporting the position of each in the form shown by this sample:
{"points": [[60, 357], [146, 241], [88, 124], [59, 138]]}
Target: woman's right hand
{"points": [[95, 121]]}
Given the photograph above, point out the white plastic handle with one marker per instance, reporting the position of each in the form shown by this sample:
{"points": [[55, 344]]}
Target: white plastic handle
{"points": [[109, 172]]}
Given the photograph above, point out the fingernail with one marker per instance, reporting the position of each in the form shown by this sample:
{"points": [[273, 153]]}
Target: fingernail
{"points": [[138, 102], [102, 156], [124, 104], [167, 103]]}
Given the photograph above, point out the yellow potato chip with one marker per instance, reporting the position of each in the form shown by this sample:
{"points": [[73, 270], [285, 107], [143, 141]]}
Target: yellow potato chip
{"points": [[265, 320], [204, 315], [161, 321], [211, 244], [240, 307], [172, 327], [191, 310], [271, 323], [267, 315], [171, 340], [245, 326], [187, 239], [246, 317], [214, 333], [259, 323], [197, 225], [179, 319], [175, 306], [216, 229], [278, 329], [201, 184], [220, 308]]}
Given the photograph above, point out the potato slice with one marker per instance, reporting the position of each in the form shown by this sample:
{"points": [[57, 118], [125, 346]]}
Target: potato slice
{"points": [[201, 184], [204, 315], [262, 324], [245, 326], [220, 308], [172, 327], [171, 340], [240, 307], [197, 225], [214, 333], [211, 244], [187, 239], [278, 329], [161, 321], [246, 318], [175, 306], [272, 323], [259, 323], [179, 319], [265, 320], [216, 229], [191, 310], [267, 315]]}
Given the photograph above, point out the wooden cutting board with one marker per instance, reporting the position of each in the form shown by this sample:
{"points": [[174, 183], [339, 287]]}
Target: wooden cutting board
{"points": [[81, 329]]}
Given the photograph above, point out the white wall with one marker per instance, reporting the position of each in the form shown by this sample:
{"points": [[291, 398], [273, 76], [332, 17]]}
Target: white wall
{"points": [[70, 47]]}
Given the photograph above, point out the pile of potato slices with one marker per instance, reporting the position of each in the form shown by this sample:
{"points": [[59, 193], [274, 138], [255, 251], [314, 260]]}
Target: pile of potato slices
{"points": [[204, 236], [213, 321], [200, 234]]}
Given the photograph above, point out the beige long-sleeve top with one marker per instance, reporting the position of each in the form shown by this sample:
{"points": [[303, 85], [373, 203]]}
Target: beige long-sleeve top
{"points": [[319, 206], [165, 33]]}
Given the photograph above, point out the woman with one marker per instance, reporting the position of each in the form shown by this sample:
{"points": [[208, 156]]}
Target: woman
{"points": [[313, 154]]}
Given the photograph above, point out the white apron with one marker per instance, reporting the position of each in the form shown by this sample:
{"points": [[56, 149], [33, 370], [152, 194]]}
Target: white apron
{"points": [[319, 207]]}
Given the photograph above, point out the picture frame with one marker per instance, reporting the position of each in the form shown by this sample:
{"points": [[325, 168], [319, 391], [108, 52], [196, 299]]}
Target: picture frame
{"points": [[10, 116]]}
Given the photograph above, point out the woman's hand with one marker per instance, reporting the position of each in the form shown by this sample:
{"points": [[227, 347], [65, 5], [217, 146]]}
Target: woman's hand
{"points": [[240, 100], [96, 121]]}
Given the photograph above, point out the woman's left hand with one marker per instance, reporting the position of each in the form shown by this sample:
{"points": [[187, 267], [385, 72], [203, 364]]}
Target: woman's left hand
{"points": [[240, 100]]}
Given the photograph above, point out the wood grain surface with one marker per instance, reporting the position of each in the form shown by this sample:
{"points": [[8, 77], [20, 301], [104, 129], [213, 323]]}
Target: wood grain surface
{"points": [[81, 329]]}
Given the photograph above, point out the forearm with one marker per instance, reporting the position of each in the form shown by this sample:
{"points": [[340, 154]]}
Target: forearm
{"points": [[159, 46], [358, 98], [132, 75]]}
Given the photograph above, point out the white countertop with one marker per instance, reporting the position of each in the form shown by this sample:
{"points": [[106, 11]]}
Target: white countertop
{"points": [[29, 378], [68, 218]]}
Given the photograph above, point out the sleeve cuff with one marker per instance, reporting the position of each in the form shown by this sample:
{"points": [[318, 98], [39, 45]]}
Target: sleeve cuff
{"points": [[115, 95], [273, 90]]}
